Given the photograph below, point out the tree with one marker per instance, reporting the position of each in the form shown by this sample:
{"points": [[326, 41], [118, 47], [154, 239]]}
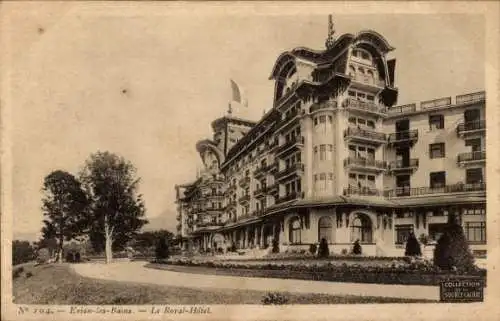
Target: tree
{"points": [[117, 210], [162, 251], [64, 205], [412, 246], [452, 249], [147, 240], [323, 250], [22, 252]]}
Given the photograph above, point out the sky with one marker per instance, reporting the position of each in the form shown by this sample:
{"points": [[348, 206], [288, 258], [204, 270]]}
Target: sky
{"points": [[147, 86]]}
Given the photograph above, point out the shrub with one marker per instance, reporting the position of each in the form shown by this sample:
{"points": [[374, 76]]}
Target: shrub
{"points": [[312, 249], [29, 274], [22, 252], [274, 298], [452, 250], [344, 252], [412, 246], [323, 250], [43, 256], [356, 249], [276, 246], [162, 252]]}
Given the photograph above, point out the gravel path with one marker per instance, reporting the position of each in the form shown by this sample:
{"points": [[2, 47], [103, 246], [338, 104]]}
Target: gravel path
{"points": [[136, 272]]}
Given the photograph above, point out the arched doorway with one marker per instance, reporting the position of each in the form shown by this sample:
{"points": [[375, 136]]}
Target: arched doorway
{"points": [[361, 228], [218, 242], [325, 229]]}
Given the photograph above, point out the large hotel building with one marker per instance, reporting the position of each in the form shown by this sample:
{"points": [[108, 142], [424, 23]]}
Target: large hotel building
{"points": [[336, 158]]}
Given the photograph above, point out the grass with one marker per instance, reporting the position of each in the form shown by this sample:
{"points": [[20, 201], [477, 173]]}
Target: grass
{"points": [[58, 284]]}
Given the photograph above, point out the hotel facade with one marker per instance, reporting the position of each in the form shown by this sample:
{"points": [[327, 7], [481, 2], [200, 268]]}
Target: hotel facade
{"points": [[336, 158]]}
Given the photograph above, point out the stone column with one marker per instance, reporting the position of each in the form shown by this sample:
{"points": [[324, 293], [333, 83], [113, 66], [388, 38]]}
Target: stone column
{"points": [[246, 244], [256, 238], [262, 241]]}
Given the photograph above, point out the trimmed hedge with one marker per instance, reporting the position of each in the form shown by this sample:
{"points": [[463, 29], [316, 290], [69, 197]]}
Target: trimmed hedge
{"points": [[407, 274]]}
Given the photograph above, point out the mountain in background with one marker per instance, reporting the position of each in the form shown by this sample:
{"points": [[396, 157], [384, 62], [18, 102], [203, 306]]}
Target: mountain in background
{"points": [[166, 221]]}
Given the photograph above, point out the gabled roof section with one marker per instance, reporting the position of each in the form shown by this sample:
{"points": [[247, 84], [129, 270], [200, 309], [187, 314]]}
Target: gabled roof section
{"points": [[319, 57]]}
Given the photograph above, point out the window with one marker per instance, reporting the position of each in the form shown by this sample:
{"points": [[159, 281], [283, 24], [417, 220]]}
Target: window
{"points": [[352, 120], [370, 123], [402, 233], [474, 176], [437, 179], [325, 229], [295, 229], [436, 150], [361, 229], [322, 152], [436, 122], [475, 232], [474, 210]]}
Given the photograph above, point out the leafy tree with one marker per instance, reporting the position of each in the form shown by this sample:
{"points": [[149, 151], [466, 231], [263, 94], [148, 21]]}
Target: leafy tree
{"points": [[323, 250], [162, 251], [64, 205], [412, 246], [22, 252], [117, 210], [147, 240], [452, 249]]}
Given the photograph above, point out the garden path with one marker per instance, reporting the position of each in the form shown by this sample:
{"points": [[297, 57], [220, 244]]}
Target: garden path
{"points": [[136, 272]]}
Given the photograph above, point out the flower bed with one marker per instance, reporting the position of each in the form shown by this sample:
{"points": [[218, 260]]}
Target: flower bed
{"points": [[415, 273]]}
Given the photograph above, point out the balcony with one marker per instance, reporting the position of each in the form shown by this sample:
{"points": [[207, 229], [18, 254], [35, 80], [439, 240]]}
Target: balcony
{"points": [[290, 146], [420, 191], [471, 158], [209, 224], [362, 191], [244, 199], [403, 139], [364, 106], [231, 205], [364, 136], [472, 127], [259, 212], [260, 192], [324, 105], [365, 164], [401, 166], [290, 197], [435, 103], [404, 109], [471, 98], [273, 189], [178, 217], [214, 210], [290, 119], [292, 170], [262, 170], [367, 82], [244, 181]]}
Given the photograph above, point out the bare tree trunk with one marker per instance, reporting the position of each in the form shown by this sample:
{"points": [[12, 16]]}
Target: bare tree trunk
{"points": [[108, 240]]}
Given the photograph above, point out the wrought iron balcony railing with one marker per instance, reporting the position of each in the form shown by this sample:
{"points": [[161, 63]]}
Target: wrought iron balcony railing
{"points": [[363, 191], [469, 98], [290, 197], [418, 191], [368, 163], [293, 169], [324, 105], [401, 165], [366, 106], [403, 137], [471, 157], [294, 142], [244, 199], [365, 135], [403, 109], [261, 191], [472, 126]]}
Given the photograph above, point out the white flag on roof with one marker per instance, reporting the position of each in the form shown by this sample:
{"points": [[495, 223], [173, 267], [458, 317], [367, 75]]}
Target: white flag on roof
{"points": [[238, 94]]}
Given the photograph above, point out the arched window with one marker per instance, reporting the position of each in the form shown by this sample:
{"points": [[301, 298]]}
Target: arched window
{"points": [[361, 229], [325, 229], [295, 230]]}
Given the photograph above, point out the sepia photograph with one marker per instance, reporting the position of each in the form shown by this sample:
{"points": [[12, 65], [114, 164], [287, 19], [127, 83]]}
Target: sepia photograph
{"points": [[161, 162]]}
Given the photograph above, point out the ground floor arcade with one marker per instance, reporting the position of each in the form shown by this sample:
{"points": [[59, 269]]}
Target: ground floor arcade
{"points": [[382, 231]]}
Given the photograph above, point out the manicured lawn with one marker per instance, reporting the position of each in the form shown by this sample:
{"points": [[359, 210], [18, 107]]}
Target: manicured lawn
{"points": [[58, 284]]}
